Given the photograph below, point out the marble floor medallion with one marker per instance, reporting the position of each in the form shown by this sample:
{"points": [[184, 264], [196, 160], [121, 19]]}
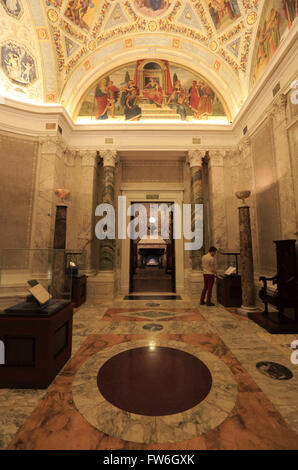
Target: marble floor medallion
{"points": [[153, 327], [274, 370], [154, 381], [136, 427]]}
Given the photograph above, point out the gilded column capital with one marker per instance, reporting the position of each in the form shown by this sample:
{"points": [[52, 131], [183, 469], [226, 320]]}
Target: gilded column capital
{"points": [[194, 157], [109, 157]]}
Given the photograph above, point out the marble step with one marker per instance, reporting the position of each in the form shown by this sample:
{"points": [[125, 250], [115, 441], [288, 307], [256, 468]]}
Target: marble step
{"points": [[172, 117]]}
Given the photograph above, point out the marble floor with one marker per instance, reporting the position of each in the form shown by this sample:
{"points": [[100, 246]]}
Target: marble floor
{"points": [[244, 409]]}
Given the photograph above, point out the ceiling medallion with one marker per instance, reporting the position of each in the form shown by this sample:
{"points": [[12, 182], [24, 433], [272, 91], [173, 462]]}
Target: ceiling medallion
{"points": [[53, 16], [213, 45], [251, 18], [152, 26], [92, 45]]}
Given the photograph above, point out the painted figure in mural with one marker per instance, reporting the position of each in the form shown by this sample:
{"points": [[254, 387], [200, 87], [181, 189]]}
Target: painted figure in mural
{"points": [[113, 95], [271, 34], [12, 5], [194, 98], [18, 64], [214, 14], [153, 92], [205, 104], [177, 100], [223, 10], [268, 38], [101, 96], [291, 10], [131, 110], [235, 8], [155, 4], [77, 9], [152, 7], [126, 90]]}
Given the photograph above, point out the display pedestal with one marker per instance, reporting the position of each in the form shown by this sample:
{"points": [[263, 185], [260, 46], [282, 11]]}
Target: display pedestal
{"points": [[79, 290], [229, 292], [37, 345]]}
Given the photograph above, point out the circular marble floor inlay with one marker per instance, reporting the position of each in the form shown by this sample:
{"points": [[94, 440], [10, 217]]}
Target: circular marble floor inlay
{"points": [[156, 381]]}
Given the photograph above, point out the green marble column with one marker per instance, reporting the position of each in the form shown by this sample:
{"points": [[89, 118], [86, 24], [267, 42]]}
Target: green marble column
{"points": [[107, 247], [195, 162], [246, 260]]}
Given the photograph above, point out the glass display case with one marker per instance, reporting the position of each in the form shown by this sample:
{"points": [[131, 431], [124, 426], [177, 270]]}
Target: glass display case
{"points": [[54, 269], [228, 289]]}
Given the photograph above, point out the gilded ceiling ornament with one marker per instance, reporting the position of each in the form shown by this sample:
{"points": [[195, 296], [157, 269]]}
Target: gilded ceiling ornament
{"points": [[92, 45], [53, 16], [213, 45], [251, 18], [152, 26]]}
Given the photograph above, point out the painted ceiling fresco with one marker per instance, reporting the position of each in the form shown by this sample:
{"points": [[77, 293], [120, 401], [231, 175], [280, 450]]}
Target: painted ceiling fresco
{"points": [[151, 89], [44, 43]]}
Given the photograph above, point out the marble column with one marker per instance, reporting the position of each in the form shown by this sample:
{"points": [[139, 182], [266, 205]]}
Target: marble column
{"points": [[107, 247], [246, 262], [83, 212], [103, 285], [59, 286], [195, 163], [195, 276]]}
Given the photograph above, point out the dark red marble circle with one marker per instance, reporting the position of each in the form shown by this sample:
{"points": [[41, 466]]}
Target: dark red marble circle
{"points": [[156, 381]]}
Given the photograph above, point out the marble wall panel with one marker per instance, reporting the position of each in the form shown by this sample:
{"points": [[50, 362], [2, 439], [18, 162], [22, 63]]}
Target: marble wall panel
{"points": [[18, 157], [267, 195]]}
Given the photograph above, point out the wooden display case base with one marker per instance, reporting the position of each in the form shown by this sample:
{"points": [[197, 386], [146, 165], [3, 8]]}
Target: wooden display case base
{"points": [[273, 324], [37, 345]]}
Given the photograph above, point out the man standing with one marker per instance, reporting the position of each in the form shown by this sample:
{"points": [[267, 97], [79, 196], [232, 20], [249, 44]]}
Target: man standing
{"points": [[209, 273]]}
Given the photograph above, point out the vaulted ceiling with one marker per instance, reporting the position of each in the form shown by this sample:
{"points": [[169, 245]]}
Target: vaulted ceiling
{"points": [[53, 50]]}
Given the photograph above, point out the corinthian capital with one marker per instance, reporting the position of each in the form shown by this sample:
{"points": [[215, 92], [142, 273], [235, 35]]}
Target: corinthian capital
{"points": [[52, 144], [216, 157], [109, 157], [194, 157], [244, 145], [88, 157]]}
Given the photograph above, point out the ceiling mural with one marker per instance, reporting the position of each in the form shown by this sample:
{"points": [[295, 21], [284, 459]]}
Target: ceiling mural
{"points": [[151, 89], [235, 39], [278, 17]]}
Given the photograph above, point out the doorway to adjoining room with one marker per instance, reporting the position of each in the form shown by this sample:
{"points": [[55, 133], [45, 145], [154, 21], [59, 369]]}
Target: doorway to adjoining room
{"points": [[152, 258]]}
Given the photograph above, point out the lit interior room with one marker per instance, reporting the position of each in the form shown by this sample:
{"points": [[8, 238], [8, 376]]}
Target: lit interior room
{"points": [[148, 225]]}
